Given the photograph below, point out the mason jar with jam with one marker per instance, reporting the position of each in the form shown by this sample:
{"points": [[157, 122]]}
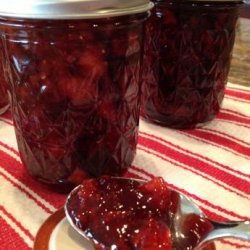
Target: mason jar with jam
{"points": [[74, 71], [188, 48]]}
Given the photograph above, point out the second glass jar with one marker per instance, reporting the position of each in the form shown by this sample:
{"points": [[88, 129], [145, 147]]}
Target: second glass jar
{"points": [[188, 48]]}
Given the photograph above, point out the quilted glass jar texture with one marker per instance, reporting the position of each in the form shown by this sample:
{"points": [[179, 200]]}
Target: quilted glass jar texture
{"points": [[188, 48], [4, 99], [75, 94]]}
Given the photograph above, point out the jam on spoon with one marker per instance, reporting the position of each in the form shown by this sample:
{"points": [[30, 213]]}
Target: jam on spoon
{"points": [[124, 214]]}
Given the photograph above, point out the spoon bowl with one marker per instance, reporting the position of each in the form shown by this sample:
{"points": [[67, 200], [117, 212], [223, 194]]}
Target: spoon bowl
{"points": [[186, 214]]}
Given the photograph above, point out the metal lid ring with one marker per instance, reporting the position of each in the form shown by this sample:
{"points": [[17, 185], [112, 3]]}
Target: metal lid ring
{"points": [[72, 9]]}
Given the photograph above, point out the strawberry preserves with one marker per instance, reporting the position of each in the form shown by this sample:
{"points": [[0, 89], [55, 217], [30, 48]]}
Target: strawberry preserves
{"points": [[123, 214], [188, 48], [4, 100], [74, 94]]}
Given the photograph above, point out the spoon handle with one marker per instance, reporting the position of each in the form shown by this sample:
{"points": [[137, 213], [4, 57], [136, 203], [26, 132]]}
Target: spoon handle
{"points": [[239, 229]]}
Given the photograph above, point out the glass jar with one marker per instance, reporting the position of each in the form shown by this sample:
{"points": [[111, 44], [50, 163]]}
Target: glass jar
{"points": [[4, 99], [188, 49], [74, 84]]}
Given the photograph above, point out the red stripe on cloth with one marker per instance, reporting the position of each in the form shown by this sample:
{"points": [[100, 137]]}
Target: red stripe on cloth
{"points": [[17, 170], [225, 135], [238, 94], [197, 173], [194, 197], [237, 99], [19, 225], [40, 204], [212, 215], [198, 167], [235, 119], [221, 142], [9, 239], [234, 123], [196, 155], [234, 244], [225, 110], [244, 90], [197, 138], [10, 149]]}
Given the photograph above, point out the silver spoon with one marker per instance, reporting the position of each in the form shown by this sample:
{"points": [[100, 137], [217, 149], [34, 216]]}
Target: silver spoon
{"points": [[232, 229]]}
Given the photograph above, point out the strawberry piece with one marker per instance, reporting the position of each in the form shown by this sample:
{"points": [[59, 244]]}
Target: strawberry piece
{"points": [[194, 228], [79, 91], [159, 192], [119, 47], [93, 62], [169, 17], [153, 236], [110, 229]]}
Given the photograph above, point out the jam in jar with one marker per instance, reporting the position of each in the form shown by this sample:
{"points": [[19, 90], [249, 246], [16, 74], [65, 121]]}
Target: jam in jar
{"points": [[188, 47], [4, 100], [75, 85]]}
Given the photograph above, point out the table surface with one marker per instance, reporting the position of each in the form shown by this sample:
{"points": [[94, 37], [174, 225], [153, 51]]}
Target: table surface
{"points": [[240, 66], [209, 164]]}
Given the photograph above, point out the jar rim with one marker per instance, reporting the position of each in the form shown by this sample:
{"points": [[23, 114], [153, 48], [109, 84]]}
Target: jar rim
{"points": [[72, 9]]}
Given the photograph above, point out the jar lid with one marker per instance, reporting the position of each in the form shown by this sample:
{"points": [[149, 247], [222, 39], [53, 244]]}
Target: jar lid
{"points": [[72, 9]]}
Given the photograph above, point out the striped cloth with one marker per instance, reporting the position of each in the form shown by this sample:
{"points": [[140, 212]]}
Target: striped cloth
{"points": [[209, 164]]}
